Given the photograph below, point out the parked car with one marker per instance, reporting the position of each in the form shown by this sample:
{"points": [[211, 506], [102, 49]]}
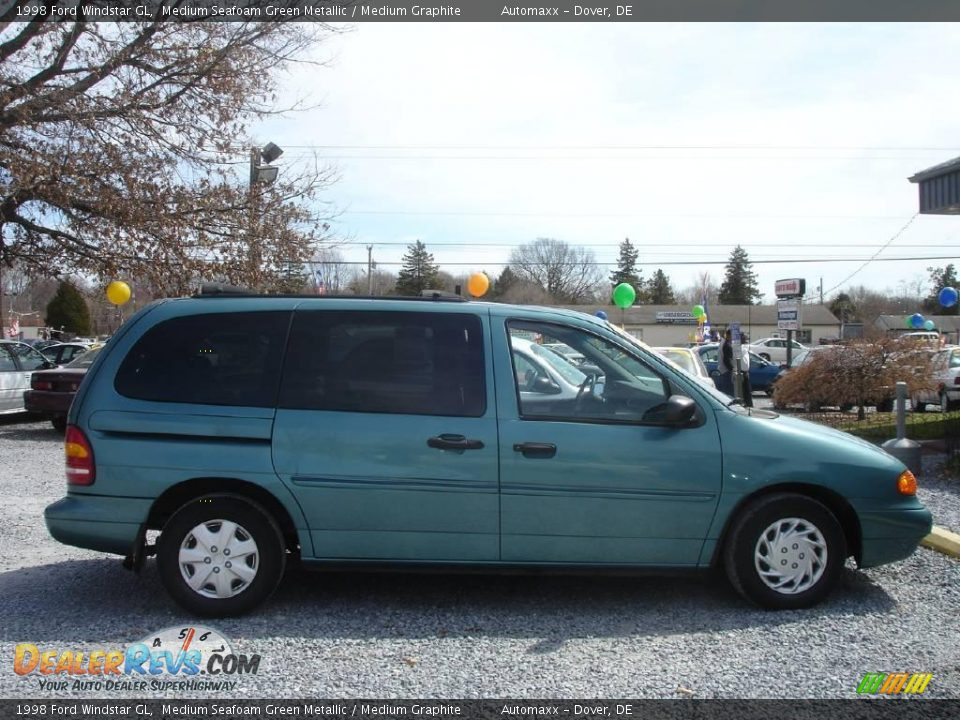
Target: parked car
{"points": [[63, 353], [944, 389], [51, 391], [254, 430], [567, 352], [688, 360], [775, 349], [17, 362], [763, 374]]}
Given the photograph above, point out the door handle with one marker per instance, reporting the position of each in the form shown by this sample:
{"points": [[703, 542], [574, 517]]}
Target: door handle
{"points": [[536, 450], [454, 442]]}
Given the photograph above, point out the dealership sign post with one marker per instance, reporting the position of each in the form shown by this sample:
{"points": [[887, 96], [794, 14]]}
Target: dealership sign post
{"points": [[789, 303]]}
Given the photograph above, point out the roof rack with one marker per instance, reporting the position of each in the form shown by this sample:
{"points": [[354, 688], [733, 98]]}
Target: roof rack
{"points": [[210, 290], [207, 289]]}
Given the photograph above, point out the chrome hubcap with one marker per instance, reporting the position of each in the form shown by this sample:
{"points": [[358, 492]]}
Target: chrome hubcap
{"points": [[218, 559], [791, 555]]}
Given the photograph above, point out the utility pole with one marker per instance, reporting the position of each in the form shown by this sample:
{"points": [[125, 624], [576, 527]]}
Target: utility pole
{"points": [[369, 269]]}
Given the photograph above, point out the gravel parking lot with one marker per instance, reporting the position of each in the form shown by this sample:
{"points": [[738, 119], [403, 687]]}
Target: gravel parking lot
{"points": [[392, 636]]}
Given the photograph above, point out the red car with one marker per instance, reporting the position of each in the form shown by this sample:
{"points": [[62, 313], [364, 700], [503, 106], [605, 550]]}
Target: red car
{"points": [[52, 391]]}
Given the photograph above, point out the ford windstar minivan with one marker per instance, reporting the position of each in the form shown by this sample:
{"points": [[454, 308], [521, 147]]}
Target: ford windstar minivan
{"points": [[252, 429]]}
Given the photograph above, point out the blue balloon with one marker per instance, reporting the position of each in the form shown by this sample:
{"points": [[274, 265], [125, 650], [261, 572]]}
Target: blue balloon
{"points": [[948, 297], [916, 320], [601, 314]]}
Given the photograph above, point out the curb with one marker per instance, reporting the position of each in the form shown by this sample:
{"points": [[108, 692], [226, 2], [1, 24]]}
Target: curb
{"points": [[943, 541]]}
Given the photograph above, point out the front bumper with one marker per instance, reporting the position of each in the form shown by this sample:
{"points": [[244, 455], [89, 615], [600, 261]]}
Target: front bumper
{"points": [[96, 522], [888, 536]]}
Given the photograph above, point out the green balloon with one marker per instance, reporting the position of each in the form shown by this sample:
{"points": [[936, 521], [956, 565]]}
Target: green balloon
{"points": [[624, 295], [698, 311]]}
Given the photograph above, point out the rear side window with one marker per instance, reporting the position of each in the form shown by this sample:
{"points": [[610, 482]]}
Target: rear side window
{"points": [[385, 362], [215, 359]]}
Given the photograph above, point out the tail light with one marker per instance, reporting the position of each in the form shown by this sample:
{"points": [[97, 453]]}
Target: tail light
{"points": [[80, 466], [956, 380], [38, 384]]}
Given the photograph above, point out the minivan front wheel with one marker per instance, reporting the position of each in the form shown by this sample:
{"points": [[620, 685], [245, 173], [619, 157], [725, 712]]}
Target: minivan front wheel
{"points": [[785, 551], [220, 555]]}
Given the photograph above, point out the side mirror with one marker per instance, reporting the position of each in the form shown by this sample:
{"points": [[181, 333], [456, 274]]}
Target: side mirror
{"points": [[588, 369], [677, 411], [48, 365], [545, 386]]}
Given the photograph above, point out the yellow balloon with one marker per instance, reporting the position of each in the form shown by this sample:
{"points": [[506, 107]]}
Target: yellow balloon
{"points": [[478, 284], [118, 292]]}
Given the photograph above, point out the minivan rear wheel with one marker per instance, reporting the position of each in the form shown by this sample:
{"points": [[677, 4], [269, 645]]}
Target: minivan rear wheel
{"points": [[785, 551], [220, 555]]}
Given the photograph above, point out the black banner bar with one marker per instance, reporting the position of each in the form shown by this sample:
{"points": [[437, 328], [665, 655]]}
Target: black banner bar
{"points": [[490, 10], [899, 708]]}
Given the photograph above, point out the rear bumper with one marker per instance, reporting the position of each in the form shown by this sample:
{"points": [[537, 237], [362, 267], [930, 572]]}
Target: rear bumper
{"points": [[47, 403], [892, 535], [97, 523]]}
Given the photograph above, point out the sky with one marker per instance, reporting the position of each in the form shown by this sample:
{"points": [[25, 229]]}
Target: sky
{"points": [[792, 140]]}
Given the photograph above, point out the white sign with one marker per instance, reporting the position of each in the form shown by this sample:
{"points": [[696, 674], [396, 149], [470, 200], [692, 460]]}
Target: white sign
{"points": [[789, 314], [681, 317], [786, 288]]}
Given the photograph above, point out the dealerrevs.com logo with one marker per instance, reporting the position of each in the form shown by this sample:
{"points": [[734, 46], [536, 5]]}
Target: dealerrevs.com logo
{"points": [[176, 658], [894, 683]]}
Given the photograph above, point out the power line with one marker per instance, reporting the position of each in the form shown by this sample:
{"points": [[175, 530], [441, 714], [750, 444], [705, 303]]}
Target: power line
{"points": [[710, 216], [882, 248], [785, 261], [912, 148]]}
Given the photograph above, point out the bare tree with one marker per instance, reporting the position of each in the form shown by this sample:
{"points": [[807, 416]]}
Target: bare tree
{"points": [[120, 146], [564, 272], [331, 273], [704, 288]]}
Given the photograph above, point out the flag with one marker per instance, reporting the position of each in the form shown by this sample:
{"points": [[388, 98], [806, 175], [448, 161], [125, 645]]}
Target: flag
{"points": [[318, 280]]}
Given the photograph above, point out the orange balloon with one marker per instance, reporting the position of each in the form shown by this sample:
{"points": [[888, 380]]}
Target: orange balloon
{"points": [[478, 284]]}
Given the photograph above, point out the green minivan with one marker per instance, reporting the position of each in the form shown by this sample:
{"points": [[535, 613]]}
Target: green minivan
{"points": [[250, 430]]}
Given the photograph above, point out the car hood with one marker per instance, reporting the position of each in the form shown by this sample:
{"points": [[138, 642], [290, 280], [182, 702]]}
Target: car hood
{"points": [[766, 448]]}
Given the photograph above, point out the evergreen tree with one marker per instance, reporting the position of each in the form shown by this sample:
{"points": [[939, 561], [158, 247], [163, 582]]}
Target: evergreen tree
{"points": [[740, 284], [502, 285], [843, 307], [419, 271], [68, 310], [939, 279], [659, 290], [626, 271]]}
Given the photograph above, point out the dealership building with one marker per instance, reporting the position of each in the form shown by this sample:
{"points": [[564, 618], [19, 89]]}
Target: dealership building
{"points": [[669, 325]]}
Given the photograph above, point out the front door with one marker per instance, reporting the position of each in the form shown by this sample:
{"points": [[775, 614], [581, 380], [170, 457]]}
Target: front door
{"points": [[386, 433], [592, 477]]}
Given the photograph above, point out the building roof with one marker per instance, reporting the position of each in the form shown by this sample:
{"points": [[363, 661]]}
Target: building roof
{"points": [[936, 171], [717, 314]]}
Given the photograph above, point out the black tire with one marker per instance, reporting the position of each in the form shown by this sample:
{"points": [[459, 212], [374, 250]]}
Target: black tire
{"points": [[917, 405], [765, 356], [946, 404], [742, 555], [59, 423], [254, 522]]}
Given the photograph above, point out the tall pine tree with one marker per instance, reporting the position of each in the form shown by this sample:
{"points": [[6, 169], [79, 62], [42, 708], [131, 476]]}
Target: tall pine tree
{"points": [[626, 271], [419, 271], [659, 290], [740, 284], [68, 310]]}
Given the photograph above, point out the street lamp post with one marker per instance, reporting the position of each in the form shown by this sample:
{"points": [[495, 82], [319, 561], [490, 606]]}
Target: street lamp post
{"points": [[260, 173]]}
